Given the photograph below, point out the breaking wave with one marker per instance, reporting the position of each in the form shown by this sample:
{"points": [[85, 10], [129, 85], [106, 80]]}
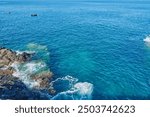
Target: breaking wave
{"points": [[147, 39], [25, 70], [74, 90], [66, 88]]}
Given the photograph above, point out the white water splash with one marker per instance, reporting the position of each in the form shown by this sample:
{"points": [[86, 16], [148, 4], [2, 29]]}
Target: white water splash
{"points": [[21, 52], [77, 91], [25, 70], [147, 39]]}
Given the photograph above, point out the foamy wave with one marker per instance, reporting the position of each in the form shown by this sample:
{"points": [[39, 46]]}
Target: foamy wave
{"points": [[25, 70], [147, 39], [84, 89], [71, 80], [21, 52], [76, 91], [66, 87]]}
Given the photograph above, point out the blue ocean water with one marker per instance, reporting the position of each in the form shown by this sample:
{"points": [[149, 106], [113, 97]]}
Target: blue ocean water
{"points": [[99, 43]]}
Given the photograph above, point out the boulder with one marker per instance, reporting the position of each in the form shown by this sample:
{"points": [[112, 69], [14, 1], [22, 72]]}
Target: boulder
{"points": [[7, 57], [43, 78], [7, 71], [7, 80], [12, 87]]}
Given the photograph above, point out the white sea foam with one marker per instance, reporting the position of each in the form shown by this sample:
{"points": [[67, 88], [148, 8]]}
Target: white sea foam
{"points": [[21, 52], [67, 87], [68, 78], [4, 68], [147, 39], [84, 89], [24, 71], [77, 91]]}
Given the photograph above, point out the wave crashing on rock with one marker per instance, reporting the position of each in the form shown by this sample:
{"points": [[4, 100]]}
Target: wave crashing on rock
{"points": [[26, 75]]}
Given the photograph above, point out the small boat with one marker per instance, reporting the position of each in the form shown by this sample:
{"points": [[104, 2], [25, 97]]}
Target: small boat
{"points": [[33, 15]]}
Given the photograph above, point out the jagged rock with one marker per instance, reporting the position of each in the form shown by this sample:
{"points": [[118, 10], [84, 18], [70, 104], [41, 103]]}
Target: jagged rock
{"points": [[24, 57], [7, 80], [14, 88], [7, 57], [43, 78], [7, 71]]}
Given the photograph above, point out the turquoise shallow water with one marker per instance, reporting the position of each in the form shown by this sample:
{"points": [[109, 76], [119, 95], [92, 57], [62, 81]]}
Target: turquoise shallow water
{"points": [[97, 42]]}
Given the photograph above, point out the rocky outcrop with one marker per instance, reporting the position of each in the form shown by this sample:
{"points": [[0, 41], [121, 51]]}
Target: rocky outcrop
{"points": [[9, 82], [13, 88], [42, 78], [7, 57], [7, 71]]}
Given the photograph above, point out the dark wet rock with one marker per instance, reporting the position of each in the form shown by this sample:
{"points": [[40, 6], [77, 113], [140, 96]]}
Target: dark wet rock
{"points": [[7, 80], [13, 88], [23, 57]]}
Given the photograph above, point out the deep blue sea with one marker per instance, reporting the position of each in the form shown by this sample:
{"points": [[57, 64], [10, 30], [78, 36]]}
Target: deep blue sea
{"points": [[93, 46]]}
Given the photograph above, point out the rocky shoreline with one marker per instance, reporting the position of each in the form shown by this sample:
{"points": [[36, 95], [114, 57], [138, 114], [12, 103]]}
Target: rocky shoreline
{"points": [[8, 57], [8, 80]]}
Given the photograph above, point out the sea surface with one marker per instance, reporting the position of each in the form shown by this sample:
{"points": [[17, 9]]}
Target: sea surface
{"points": [[95, 48]]}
